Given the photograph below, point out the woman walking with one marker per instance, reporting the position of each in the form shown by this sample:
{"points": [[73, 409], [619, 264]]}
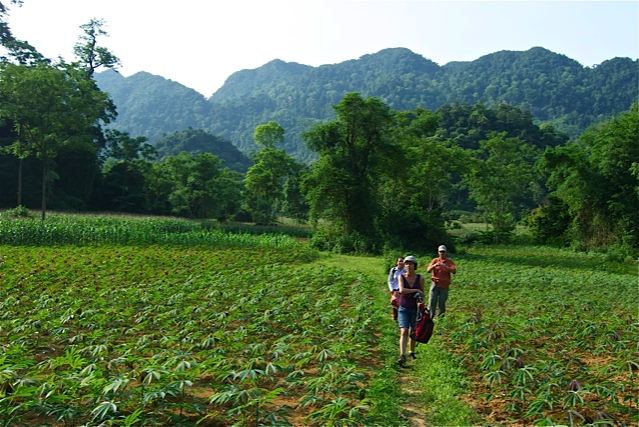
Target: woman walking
{"points": [[411, 287]]}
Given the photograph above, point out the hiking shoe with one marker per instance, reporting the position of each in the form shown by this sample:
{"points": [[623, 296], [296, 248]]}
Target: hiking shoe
{"points": [[402, 361], [412, 355]]}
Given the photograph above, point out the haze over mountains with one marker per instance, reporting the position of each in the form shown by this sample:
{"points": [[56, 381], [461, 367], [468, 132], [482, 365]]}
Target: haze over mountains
{"points": [[553, 87]]}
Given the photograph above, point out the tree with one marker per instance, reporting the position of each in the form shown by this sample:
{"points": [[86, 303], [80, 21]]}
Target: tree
{"points": [[501, 172], [354, 151], [127, 161], [90, 55], [120, 146], [597, 179], [418, 183], [193, 187], [269, 135], [19, 51], [50, 108], [265, 180]]}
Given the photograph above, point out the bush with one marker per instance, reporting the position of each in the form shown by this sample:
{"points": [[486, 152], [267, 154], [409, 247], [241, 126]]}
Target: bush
{"points": [[19, 212], [548, 224], [332, 240], [621, 253]]}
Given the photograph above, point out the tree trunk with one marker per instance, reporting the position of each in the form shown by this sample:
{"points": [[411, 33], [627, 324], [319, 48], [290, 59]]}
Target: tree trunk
{"points": [[45, 173], [20, 182]]}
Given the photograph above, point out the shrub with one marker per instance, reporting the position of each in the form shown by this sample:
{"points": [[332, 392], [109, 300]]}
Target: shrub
{"points": [[19, 212]]}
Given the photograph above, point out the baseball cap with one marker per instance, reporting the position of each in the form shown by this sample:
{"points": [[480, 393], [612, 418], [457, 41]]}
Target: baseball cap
{"points": [[412, 259]]}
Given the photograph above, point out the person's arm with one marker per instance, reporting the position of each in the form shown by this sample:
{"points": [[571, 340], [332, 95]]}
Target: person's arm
{"points": [[402, 289], [431, 265], [391, 279], [422, 285], [452, 267]]}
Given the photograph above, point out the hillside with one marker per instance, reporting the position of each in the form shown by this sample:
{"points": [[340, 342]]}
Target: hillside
{"points": [[555, 88]]}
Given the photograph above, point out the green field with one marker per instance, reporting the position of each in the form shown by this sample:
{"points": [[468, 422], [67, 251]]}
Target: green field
{"points": [[160, 322]]}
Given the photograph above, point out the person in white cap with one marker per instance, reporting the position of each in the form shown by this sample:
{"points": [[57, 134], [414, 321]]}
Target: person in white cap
{"points": [[440, 269]]}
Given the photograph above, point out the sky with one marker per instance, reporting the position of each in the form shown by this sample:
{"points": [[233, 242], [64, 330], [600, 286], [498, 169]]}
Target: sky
{"points": [[200, 43]]}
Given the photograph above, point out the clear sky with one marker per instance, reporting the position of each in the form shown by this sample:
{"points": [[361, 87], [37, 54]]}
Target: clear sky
{"points": [[200, 43]]}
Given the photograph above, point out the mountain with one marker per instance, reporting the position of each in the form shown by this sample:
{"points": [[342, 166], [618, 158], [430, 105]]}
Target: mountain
{"points": [[553, 87]]}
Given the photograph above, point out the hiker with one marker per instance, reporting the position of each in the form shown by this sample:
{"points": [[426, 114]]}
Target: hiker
{"points": [[393, 286], [411, 288], [440, 268]]}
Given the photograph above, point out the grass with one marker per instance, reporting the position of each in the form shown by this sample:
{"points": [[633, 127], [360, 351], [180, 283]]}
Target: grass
{"points": [[435, 383]]}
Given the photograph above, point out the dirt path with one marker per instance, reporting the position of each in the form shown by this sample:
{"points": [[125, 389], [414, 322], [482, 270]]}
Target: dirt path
{"points": [[372, 266], [413, 410]]}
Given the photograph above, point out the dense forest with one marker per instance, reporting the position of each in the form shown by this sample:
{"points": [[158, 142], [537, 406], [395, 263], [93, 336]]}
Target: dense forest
{"points": [[555, 89], [397, 148]]}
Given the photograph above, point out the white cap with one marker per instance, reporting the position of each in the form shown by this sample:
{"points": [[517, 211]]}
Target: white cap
{"points": [[412, 259], [441, 248]]}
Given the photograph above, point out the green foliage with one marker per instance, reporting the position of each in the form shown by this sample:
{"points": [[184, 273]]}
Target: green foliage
{"points": [[200, 332], [120, 146], [596, 178], [51, 109], [18, 212], [96, 230], [549, 223], [498, 176], [353, 150], [539, 341], [332, 240], [265, 180], [89, 54], [197, 141]]}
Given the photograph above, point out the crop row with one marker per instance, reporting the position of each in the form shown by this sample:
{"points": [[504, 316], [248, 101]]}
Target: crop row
{"points": [[95, 230], [164, 335], [550, 337]]}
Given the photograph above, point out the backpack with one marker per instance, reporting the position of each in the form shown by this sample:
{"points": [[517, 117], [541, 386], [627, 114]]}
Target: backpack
{"points": [[424, 325]]}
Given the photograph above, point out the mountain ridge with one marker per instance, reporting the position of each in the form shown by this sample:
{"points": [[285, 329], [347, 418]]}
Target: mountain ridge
{"points": [[554, 87]]}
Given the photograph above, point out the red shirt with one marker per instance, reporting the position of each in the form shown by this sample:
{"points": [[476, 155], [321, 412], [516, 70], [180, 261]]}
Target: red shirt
{"points": [[441, 275]]}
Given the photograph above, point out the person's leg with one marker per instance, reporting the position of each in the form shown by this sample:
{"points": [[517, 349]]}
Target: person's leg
{"points": [[403, 320], [394, 301], [403, 338], [432, 299], [443, 296]]}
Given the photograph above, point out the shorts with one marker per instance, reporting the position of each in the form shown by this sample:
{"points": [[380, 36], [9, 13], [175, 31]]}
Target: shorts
{"points": [[406, 317]]}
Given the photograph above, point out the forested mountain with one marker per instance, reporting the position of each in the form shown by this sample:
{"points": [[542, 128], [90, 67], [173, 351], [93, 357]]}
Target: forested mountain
{"points": [[553, 87], [197, 141]]}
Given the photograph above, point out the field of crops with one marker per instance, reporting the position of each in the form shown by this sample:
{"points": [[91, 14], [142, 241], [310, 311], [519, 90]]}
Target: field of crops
{"points": [[160, 322], [213, 329], [548, 337]]}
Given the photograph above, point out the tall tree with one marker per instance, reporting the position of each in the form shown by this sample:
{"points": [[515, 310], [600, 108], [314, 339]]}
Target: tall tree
{"points": [[89, 54], [353, 152], [50, 108], [265, 180]]}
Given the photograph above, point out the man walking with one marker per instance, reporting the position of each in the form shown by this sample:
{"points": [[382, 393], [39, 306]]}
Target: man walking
{"points": [[440, 269]]}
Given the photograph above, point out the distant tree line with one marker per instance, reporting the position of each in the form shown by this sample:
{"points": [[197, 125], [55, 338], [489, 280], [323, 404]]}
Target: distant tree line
{"points": [[380, 177]]}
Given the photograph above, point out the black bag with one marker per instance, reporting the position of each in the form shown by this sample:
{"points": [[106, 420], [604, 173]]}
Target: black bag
{"points": [[424, 325]]}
